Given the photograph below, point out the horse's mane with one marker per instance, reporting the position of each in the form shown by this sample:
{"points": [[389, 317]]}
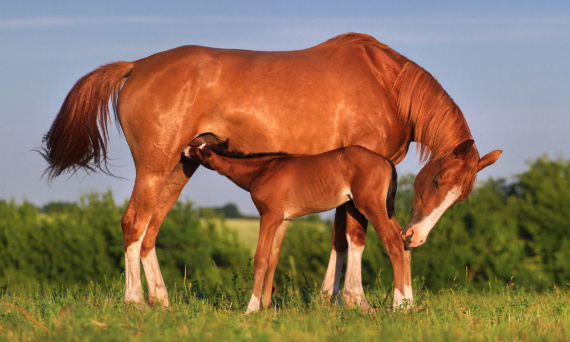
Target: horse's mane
{"points": [[437, 122], [352, 38], [221, 149]]}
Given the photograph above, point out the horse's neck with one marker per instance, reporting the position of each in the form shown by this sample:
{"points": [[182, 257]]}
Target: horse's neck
{"points": [[435, 121], [239, 171]]}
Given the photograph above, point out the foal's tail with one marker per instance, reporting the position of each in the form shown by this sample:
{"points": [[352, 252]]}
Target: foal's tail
{"points": [[78, 136], [391, 196]]}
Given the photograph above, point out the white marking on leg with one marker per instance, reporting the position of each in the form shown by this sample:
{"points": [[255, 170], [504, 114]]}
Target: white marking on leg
{"points": [[353, 291], [156, 287], [133, 287], [254, 305], [331, 283], [398, 299], [337, 274], [423, 228], [405, 300], [408, 295]]}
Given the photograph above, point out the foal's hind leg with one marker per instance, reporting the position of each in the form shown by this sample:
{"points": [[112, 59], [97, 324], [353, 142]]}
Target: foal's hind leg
{"points": [[405, 299], [170, 192], [389, 232]]}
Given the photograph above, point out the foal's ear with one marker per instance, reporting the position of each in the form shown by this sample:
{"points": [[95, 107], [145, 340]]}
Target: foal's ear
{"points": [[488, 159], [462, 149]]}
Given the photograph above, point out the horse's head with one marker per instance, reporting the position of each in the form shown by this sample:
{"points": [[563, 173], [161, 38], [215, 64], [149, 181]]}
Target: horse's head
{"points": [[440, 184]]}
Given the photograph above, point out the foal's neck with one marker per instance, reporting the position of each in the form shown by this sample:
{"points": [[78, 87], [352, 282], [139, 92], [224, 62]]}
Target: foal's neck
{"points": [[238, 170]]}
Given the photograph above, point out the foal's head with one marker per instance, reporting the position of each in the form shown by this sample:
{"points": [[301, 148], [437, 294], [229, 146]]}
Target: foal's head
{"points": [[199, 152], [440, 184]]}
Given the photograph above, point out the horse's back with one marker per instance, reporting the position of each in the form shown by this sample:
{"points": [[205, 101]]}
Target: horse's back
{"points": [[326, 93]]}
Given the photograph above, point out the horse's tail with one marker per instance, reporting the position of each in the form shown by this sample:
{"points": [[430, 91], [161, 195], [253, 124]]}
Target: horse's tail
{"points": [[78, 136], [391, 196]]}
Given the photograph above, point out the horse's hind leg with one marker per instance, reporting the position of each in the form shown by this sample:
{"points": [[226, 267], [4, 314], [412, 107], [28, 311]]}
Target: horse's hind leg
{"points": [[353, 292], [135, 224], [167, 198]]}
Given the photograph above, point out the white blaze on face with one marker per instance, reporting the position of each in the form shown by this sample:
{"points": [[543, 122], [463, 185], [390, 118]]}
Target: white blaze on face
{"points": [[423, 227]]}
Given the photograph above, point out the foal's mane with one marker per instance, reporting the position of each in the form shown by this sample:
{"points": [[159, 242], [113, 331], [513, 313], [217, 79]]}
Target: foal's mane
{"points": [[221, 149], [438, 126]]}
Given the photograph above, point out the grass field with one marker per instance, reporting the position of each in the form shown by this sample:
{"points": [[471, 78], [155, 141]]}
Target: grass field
{"points": [[247, 230], [96, 312]]}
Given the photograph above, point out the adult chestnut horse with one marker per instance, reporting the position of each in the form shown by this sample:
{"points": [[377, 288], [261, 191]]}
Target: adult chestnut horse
{"points": [[286, 186], [350, 90]]}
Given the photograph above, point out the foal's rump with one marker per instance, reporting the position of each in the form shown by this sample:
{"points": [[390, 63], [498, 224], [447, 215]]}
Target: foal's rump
{"points": [[371, 176]]}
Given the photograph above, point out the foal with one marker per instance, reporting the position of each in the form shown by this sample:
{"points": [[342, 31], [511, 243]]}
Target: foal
{"points": [[285, 186]]}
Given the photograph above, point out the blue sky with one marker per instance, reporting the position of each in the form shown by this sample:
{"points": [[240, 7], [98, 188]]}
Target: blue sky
{"points": [[506, 64]]}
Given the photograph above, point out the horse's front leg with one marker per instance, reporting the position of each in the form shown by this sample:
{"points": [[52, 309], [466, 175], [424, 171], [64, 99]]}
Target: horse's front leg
{"points": [[331, 282], [268, 227], [353, 292]]}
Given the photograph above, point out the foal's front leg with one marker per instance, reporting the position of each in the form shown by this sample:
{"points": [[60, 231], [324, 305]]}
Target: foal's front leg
{"points": [[273, 261], [268, 227], [388, 231]]}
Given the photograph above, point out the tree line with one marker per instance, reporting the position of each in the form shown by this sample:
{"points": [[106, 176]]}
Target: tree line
{"points": [[511, 231]]}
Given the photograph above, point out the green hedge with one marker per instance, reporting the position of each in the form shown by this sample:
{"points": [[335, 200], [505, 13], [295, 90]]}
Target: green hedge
{"points": [[508, 232]]}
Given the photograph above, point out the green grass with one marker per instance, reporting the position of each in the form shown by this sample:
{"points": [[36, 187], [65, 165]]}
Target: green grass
{"points": [[96, 312]]}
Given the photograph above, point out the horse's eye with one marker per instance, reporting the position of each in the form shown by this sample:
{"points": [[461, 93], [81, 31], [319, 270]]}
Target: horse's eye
{"points": [[435, 183]]}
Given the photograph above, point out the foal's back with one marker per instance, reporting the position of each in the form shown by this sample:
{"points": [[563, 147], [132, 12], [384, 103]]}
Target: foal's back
{"points": [[305, 184]]}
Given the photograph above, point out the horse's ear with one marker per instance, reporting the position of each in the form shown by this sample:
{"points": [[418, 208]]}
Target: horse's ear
{"points": [[462, 149], [488, 159]]}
